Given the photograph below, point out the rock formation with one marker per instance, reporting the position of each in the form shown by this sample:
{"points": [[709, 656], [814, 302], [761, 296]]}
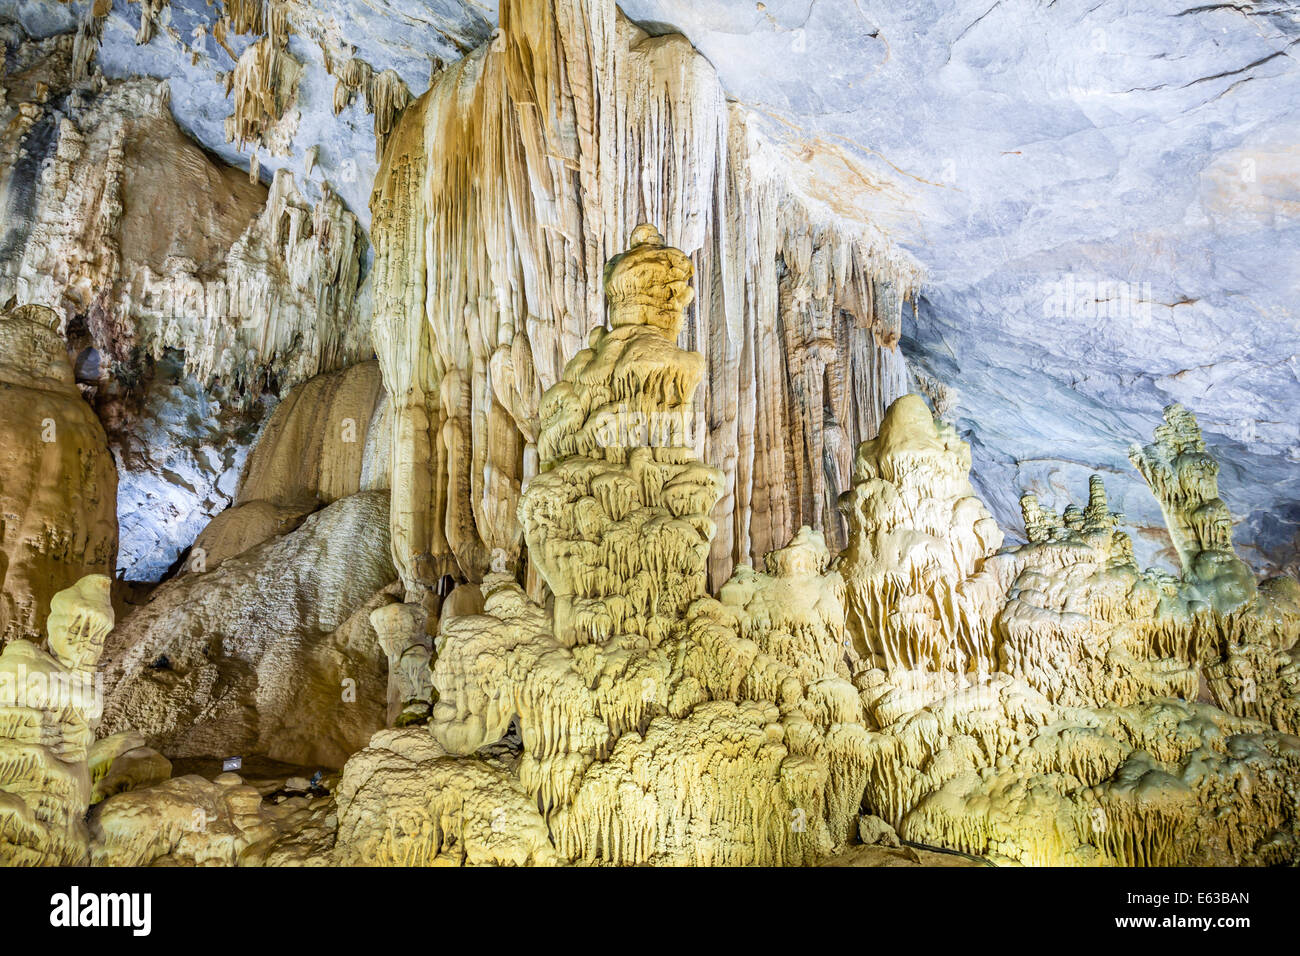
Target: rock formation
{"points": [[546, 536], [269, 653], [49, 705], [1037, 705], [249, 282], [58, 486], [185, 289], [492, 227], [657, 724], [326, 440]]}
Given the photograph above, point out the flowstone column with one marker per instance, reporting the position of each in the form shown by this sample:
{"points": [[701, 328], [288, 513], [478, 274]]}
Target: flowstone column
{"points": [[617, 521]]}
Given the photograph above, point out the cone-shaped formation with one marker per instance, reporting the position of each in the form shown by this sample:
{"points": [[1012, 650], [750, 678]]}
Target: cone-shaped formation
{"points": [[618, 521], [917, 533]]}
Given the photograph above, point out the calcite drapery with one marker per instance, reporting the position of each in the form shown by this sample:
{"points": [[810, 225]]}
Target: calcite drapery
{"points": [[501, 194]]}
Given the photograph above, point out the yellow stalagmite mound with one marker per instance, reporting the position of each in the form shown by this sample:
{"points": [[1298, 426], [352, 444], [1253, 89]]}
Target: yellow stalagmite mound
{"points": [[49, 706]]}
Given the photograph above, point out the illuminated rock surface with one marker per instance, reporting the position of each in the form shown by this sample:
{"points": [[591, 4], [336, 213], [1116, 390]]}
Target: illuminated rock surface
{"points": [[488, 524], [48, 713]]}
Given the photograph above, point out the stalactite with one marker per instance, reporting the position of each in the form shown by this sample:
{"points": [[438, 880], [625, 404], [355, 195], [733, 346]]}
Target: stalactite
{"points": [[150, 11], [257, 284], [518, 174], [265, 84]]}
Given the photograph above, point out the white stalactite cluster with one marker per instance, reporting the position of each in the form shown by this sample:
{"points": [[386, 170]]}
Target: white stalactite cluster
{"points": [[136, 231]]}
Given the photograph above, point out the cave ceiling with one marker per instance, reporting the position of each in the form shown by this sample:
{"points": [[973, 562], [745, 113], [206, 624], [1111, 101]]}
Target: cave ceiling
{"points": [[1105, 199]]}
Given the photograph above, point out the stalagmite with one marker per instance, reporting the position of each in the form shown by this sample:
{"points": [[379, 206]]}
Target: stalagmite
{"points": [[1245, 634], [402, 633], [592, 517], [502, 192], [49, 706]]}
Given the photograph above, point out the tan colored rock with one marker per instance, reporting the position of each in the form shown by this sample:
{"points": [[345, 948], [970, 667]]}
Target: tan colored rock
{"points": [[402, 801], [271, 653], [320, 440], [326, 440], [187, 821], [917, 533], [58, 484], [657, 725], [1027, 701], [402, 633]]}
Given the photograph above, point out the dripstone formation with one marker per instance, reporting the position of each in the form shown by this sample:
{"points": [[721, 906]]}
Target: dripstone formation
{"points": [[593, 703]]}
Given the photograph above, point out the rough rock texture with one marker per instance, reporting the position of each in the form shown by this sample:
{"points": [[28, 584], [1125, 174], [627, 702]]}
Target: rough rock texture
{"points": [[180, 448], [492, 226], [58, 487], [1099, 194], [403, 801], [249, 282], [271, 653], [187, 821], [657, 725], [1054, 723], [184, 289], [49, 705]]}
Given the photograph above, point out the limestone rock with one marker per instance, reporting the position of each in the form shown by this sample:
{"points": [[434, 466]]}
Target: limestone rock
{"points": [[1052, 731], [403, 801], [270, 653], [187, 821], [58, 485], [657, 725], [133, 227], [326, 440]]}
